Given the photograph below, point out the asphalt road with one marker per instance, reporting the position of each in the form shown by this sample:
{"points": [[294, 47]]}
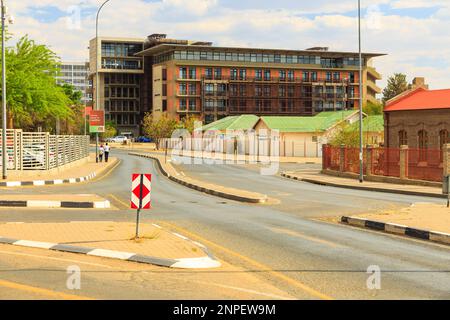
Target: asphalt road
{"points": [[282, 246]]}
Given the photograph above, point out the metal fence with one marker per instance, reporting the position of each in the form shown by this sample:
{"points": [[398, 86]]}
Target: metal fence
{"points": [[418, 164], [42, 151], [247, 146]]}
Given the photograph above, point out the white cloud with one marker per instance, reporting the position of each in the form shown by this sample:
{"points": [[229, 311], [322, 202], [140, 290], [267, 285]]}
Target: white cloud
{"points": [[417, 47]]}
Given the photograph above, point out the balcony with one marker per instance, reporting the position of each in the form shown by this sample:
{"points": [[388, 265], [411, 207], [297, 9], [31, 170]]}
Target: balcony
{"points": [[374, 73], [373, 86]]}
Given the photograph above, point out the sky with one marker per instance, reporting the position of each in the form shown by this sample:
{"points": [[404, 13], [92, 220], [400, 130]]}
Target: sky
{"points": [[415, 34]]}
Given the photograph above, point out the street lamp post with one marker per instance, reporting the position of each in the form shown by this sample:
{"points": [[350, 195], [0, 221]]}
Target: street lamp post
{"points": [[4, 153], [97, 89], [361, 151]]}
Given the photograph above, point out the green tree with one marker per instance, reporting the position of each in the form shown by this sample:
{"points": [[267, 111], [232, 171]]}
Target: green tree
{"points": [[110, 130], [396, 85], [188, 123], [372, 109], [159, 128], [33, 97]]}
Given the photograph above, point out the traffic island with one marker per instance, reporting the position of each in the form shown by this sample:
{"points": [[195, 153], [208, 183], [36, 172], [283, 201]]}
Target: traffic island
{"points": [[83, 172], [114, 240], [224, 192], [422, 221], [349, 183], [44, 201]]}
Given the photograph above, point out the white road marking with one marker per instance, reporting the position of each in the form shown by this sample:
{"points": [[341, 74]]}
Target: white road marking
{"points": [[111, 254]]}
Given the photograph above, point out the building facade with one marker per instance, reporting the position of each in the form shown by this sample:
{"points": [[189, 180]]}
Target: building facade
{"points": [[120, 81], [215, 82], [419, 119], [181, 77], [77, 74]]}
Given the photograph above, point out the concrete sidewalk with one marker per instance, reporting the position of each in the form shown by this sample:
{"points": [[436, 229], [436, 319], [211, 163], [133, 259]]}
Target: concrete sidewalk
{"points": [[111, 240], [322, 179], [213, 189], [424, 221], [79, 173]]}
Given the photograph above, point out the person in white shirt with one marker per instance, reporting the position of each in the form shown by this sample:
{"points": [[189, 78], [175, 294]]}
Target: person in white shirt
{"points": [[101, 150], [106, 152]]}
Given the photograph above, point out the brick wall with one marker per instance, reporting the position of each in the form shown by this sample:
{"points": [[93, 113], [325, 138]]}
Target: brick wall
{"points": [[433, 121]]}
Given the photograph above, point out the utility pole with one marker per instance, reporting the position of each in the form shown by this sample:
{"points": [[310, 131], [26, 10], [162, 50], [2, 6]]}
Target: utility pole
{"points": [[97, 89], [361, 150], [4, 118]]}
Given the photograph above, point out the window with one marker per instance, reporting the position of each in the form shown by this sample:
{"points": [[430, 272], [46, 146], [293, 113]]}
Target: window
{"points": [[291, 75], [182, 89], [217, 73], [192, 89], [183, 104], [337, 76], [183, 73], [267, 75], [192, 105], [423, 139], [423, 145], [234, 74], [209, 89], [267, 91], [329, 76], [314, 76], [282, 75], [305, 76], [242, 74], [258, 74], [443, 138], [282, 91], [192, 73], [209, 73]]}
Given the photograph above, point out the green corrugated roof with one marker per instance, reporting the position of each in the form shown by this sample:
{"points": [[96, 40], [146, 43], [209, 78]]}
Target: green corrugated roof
{"points": [[321, 122], [370, 124], [243, 122]]}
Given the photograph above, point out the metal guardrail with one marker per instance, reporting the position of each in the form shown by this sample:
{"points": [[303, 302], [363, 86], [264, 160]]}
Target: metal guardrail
{"points": [[42, 151]]}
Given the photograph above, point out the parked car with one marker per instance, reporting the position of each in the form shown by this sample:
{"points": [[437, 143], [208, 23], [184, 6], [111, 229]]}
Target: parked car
{"points": [[143, 139], [117, 139]]}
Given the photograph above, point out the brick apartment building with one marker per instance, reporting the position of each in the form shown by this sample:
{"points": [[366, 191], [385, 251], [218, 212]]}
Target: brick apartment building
{"points": [[419, 118], [184, 77]]}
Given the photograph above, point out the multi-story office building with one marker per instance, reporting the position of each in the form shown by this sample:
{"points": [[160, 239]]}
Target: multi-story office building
{"points": [[183, 77], [76, 74], [120, 80]]}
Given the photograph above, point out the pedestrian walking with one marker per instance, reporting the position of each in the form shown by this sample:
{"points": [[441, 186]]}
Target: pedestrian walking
{"points": [[106, 152], [101, 150]]}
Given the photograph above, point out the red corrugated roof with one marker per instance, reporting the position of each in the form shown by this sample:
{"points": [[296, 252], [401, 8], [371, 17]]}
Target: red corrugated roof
{"points": [[421, 99]]}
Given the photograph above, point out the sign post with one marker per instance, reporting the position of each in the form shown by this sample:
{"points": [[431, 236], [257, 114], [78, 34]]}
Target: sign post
{"points": [[96, 125], [140, 195]]}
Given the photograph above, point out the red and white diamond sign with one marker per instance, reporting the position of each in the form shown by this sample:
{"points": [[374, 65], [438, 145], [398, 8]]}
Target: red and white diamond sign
{"points": [[141, 186]]}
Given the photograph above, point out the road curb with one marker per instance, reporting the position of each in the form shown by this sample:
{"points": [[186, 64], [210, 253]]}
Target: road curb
{"points": [[364, 188], [206, 262], [434, 236], [201, 189], [105, 204], [48, 182]]}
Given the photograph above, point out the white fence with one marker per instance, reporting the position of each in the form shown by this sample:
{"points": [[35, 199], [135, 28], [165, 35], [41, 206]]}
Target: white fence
{"points": [[42, 151], [259, 146]]}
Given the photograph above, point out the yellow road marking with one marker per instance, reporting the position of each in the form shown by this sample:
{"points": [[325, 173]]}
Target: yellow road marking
{"points": [[110, 170], [303, 236], [276, 274], [41, 291], [126, 205]]}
